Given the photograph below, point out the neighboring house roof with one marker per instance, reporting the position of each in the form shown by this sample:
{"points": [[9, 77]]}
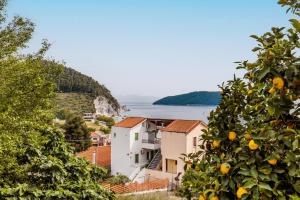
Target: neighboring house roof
{"points": [[94, 134], [181, 126], [103, 155], [130, 122]]}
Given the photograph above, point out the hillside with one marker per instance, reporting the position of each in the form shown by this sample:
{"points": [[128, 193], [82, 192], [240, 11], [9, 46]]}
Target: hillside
{"points": [[80, 93], [76, 102], [193, 98]]}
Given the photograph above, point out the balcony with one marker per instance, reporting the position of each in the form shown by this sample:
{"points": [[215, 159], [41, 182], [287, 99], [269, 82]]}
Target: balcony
{"points": [[152, 144]]}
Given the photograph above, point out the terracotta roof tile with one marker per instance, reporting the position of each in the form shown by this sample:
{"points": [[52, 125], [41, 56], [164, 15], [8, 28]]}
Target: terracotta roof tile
{"points": [[130, 122], [103, 155], [181, 126]]}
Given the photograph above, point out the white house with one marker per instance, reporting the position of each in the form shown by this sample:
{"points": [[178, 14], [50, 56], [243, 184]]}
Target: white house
{"points": [[144, 147]]}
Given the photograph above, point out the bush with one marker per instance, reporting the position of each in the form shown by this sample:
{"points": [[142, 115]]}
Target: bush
{"points": [[105, 130], [117, 180], [108, 120]]}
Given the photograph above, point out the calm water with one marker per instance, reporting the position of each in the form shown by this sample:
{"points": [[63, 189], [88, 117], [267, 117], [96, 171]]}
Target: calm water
{"points": [[168, 112]]}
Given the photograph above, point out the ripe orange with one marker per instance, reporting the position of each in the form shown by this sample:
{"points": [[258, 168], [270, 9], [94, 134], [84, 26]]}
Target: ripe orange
{"points": [[240, 192], [253, 145], [272, 162], [225, 167], [232, 136], [216, 144], [278, 83]]}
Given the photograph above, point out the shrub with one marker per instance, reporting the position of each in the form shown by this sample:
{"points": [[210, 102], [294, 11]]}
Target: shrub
{"points": [[118, 179]]}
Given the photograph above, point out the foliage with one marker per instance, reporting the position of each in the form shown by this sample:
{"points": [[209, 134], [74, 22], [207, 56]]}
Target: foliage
{"points": [[77, 133], [72, 81], [149, 196], [193, 98], [108, 120], [105, 130], [77, 103], [262, 112], [118, 179], [35, 160]]}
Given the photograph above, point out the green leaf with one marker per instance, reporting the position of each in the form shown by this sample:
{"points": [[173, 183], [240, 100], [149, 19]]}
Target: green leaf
{"points": [[266, 169], [297, 186], [271, 110], [264, 186], [256, 49], [244, 172], [262, 73], [249, 183], [253, 172], [295, 144], [279, 171], [296, 24]]}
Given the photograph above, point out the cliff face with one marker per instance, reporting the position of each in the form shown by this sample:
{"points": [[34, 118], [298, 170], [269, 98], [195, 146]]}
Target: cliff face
{"points": [[104, 107]]}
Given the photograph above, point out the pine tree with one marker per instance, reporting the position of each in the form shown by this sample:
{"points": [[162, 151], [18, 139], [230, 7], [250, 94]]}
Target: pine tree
{"points": [[77, 133]]}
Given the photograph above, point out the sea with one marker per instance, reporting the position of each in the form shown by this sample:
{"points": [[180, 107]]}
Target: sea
{"points": [[147, 110]]}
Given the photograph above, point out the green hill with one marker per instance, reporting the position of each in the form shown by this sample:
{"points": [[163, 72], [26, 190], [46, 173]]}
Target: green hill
{"points": [[76, 91], [75, 102], [192, 98]]}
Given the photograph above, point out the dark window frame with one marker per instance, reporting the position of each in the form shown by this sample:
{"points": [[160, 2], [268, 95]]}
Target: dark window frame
{"points": [[136, 158], [194, 141]]}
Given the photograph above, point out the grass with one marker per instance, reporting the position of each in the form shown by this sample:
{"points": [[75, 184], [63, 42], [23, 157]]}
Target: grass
{"points": [[75, 102], [149, 196]]}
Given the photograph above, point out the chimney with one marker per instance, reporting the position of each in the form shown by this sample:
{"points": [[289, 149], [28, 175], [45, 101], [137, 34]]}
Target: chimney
{"points": [[94, 158]]}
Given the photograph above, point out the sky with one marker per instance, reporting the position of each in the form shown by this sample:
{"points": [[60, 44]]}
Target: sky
{"points": [[151, 47]]}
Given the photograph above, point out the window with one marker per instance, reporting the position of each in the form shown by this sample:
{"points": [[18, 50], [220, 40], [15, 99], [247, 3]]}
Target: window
{"points": [[194, 141], [136, 158], [136, 136], [171, 166], [115, 135]]}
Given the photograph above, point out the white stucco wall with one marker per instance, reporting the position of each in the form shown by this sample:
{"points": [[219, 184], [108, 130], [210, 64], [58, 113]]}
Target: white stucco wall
{"points": [[124, 147], [120, 151]]}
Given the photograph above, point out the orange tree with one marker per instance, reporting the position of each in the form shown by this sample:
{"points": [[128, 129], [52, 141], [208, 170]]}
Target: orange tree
{"points": [[252, 140]]}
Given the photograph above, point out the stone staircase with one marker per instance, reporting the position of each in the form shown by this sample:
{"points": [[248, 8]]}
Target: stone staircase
{"points": [[155, 161]]}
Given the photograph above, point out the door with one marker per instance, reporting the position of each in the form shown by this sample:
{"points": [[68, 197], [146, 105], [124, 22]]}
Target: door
{"points": [[171, 166]]}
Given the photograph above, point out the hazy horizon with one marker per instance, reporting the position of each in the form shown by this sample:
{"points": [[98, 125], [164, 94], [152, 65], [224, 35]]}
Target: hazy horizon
{"points": [[151, 48]]}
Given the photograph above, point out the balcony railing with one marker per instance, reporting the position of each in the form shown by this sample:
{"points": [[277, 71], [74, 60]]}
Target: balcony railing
{"points": [[153, 141]]}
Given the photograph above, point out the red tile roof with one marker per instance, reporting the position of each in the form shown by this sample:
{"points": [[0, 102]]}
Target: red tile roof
{"points": [[103, 155], [94, 134], [181, 126], [130, 122]]}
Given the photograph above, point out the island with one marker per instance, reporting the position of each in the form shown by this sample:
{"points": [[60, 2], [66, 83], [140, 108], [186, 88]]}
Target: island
{"points": [[191, 99]]}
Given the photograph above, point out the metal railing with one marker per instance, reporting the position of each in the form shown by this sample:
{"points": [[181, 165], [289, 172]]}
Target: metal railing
{"points": [[153, 141], [157, 154]]}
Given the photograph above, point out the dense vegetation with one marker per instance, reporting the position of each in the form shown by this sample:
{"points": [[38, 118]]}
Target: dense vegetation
{"points": [[109, 121], [193, 98], [77, 133], [252, 141], [78, 103], [118, 179], [35, 160], [72, 81]]}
